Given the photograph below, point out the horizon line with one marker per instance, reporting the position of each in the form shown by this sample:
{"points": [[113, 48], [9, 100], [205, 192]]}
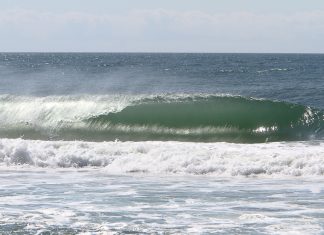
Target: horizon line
{"points": [[156, 52]]}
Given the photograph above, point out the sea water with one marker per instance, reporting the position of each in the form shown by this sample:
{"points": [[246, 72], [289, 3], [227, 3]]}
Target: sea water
{"points": [[161, 143]]}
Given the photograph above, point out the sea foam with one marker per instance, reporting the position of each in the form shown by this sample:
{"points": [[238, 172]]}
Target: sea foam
{"points": [[169, 158]]}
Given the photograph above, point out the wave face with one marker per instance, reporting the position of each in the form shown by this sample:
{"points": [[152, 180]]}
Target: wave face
{"points": [[139, 118], [154, 157]]}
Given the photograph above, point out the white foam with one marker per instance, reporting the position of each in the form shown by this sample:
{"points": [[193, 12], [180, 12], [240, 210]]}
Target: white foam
{"points": [[51, 111], [306, 226], [220, 159]]}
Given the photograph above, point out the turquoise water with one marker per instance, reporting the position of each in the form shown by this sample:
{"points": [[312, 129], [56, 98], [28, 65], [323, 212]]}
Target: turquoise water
{"points": [[161, 143]]}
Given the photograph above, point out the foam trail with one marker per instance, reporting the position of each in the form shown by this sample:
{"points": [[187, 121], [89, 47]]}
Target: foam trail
{"points": [[218, 159]]}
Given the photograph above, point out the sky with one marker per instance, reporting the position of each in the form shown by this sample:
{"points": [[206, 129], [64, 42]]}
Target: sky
{"points": [[248, 26]]}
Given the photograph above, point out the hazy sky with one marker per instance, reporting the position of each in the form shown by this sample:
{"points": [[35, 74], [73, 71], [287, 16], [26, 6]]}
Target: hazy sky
{"points": [[162, 25]]}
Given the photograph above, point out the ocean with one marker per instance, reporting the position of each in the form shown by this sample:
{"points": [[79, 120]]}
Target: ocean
{"points": [[161, 143]]}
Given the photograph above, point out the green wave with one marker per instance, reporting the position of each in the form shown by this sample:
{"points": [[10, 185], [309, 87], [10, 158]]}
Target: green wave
{"points": [[213, 118], [178, 118]]}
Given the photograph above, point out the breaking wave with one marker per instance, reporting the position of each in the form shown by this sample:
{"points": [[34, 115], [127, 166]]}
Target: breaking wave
{"points": [[197, 118]]}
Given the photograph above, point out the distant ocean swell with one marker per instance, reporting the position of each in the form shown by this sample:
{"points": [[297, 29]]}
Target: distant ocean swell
{"points": [[198, 118]]}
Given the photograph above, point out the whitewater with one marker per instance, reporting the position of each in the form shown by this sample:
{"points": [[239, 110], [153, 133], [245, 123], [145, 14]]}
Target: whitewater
{"points": [[161, 143], [169, 158]]}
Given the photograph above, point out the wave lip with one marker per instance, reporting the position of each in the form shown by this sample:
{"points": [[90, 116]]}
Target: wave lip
{"points": [[169, 158], [199, 118]]}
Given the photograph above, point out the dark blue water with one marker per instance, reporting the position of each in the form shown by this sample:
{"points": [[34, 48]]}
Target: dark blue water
{"points": [[297, 78]]}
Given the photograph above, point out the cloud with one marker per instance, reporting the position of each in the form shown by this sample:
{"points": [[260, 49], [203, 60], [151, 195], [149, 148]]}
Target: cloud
{"points": [[162, 30]]}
